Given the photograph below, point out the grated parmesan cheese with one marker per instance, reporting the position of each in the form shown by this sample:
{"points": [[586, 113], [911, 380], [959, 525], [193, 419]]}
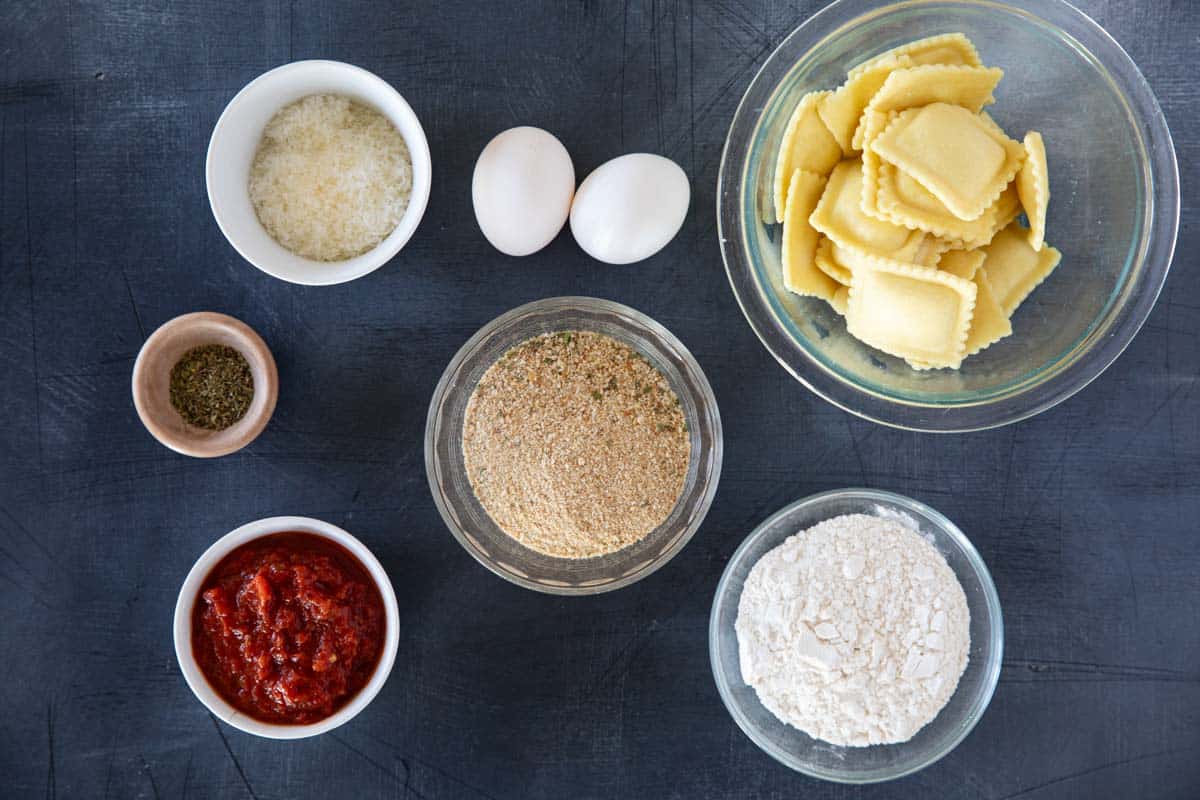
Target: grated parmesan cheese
{"points": [[331, 177]]}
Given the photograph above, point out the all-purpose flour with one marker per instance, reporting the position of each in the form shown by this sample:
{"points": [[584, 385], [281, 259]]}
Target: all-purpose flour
{"points": [[855, 631]]}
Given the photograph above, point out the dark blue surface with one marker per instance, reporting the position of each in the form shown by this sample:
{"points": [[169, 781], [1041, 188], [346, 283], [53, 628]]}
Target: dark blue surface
{"points": [[1087, 514]]}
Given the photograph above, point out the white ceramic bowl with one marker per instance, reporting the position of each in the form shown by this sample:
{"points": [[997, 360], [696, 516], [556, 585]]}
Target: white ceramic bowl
{"points": [[235, 140], [191, 589]]}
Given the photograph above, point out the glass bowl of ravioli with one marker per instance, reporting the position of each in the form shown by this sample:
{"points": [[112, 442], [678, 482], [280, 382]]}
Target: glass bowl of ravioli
{"points": [[645, 542], [877, 762], [1113, 211]]}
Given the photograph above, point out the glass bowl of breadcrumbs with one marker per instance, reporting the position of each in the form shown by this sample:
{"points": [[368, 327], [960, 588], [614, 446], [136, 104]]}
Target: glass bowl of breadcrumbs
{"points": [[573, 446]]}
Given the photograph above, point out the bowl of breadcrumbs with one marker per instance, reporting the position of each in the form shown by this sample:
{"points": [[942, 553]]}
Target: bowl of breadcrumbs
{"points": [[573, 446]]}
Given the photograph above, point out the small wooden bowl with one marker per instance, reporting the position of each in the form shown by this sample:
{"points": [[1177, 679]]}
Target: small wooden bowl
{"points": [[152, 383]]}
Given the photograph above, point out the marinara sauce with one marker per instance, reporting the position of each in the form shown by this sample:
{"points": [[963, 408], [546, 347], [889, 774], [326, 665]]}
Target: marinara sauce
{"points": [[287, 628]]}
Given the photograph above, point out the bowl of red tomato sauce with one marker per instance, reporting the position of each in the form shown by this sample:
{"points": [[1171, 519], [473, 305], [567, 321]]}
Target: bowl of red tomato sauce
{"points": [[286, 627]]}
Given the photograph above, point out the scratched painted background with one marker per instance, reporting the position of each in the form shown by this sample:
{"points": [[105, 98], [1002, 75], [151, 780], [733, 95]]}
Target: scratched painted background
{"points": [[1087, 514]]}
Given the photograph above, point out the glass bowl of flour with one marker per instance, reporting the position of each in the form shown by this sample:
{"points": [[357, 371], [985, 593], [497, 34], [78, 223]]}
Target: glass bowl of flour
{"points": [[876, 633]]}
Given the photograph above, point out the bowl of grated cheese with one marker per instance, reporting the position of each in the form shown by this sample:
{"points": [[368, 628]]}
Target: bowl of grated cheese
{"points": [[824, 624], [318, 172]]}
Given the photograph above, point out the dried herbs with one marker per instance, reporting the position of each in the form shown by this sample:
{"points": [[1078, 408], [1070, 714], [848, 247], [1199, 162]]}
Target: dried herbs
{"points": [[212, 387]]}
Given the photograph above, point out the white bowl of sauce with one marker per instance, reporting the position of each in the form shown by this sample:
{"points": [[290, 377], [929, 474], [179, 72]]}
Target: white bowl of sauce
{"points": [[286, 627]]}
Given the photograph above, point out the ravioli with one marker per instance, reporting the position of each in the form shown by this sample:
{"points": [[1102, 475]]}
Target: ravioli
{"points": [[904, 200], [873, 123], [962, 263], [840, 300], [1014, 268], [989, 323], [1033, 187], [954, 154], [900, 199], [842, 110], [916, 313], [798, 256], [807, 144], [840, 216], [828, 262], [948, 48], [969, 87]]}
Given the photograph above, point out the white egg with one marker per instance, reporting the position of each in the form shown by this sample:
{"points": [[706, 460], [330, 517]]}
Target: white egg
{"points": [[630, 207], [522, 190]]}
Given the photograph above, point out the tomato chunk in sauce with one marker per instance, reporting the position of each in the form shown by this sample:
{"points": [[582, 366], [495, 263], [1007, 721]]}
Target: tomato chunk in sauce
{"points": [[288, 628]]}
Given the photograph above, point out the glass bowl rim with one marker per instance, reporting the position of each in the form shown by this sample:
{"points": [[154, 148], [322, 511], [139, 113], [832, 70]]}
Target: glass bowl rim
{"points": [[1073, 371], [991, 669], [706, 403]]}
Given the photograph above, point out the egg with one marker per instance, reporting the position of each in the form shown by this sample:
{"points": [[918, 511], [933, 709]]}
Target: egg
{"points": [[630, 208], [522, 190]]}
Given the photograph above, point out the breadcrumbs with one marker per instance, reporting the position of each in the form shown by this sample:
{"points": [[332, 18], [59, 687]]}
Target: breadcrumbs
{"points": [[575, 445]]}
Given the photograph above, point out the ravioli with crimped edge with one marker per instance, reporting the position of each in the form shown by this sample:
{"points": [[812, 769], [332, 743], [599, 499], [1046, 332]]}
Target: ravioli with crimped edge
{"points": [[901, 198]]}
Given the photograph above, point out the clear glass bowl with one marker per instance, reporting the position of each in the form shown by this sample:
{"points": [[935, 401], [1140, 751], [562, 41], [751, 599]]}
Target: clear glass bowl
{"points": [[472, 526], [1114, 210], [820, 759]]}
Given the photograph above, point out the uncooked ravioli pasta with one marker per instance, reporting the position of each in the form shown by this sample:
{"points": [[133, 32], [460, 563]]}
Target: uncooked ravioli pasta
{"points": [[918, 313], [969, 87], [962, 263], [900, 200], [841, 111], [807, 144], [840, 216], [800, 272], [828, 263], [953, 153], [949, 48], [989, 323], [1015, 267], [1033, 187]]}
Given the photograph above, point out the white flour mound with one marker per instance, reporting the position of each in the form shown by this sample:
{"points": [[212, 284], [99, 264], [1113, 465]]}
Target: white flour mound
{"points": [[855, 631]]}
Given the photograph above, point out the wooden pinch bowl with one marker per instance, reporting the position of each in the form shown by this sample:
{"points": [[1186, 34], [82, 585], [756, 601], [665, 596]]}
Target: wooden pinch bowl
{"points": [[152, 383]]}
